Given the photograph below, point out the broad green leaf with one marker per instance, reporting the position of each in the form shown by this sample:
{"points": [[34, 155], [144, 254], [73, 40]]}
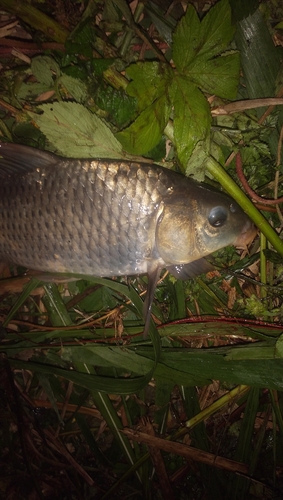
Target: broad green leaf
{"points": [[148, 81], [218, 75], [196, 165], [119, 106], [75, 87], [31, 90], [75, 132], [191, 117], [204, 39], [216, 28], [44, 68], [186, 40], [146, 131]]}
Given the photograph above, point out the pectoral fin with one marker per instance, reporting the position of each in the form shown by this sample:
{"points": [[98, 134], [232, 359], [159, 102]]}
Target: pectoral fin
{"points": [[152, 282], [191, 270]]}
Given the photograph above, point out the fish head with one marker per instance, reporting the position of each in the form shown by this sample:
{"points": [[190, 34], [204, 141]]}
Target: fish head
{"points": [[195, 226]]}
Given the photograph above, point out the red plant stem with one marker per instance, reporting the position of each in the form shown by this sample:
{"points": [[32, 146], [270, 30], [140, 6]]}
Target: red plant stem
{"points": [[247, 187]]}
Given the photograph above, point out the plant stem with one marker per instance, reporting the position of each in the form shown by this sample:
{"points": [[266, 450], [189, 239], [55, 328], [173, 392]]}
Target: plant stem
{"points": [[231, 187], [35, 18]]}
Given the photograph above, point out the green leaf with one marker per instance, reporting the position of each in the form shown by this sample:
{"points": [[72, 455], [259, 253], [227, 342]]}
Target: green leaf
{"points": [[31, 90], [186, 39], [43, 68], [91, 382], [218, 75], [216, 29], [149, 80], [197, 163], [120, 107], [75, 87], [55, 306], [204, 39], [197, 50], [75, 132], [31, 285], [45, 384], [146, 131], [118, 357], [260, 59], [191, 117]]}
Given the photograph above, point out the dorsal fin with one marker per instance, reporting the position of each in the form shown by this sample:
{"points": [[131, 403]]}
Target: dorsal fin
{"points": [[19, 159]]}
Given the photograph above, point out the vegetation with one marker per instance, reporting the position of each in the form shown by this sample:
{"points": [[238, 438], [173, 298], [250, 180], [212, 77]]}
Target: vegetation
{"points": [[89, 408]]}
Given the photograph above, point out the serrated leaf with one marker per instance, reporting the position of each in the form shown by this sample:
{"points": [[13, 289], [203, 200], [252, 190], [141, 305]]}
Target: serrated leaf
{"points": [[186, 39], [31, 90], [191, 117], [148, 81], [197, 47], [207, 38], [121, 108], [146, 131], [75, 87], [75, 132], [218, 76], [217, 28], [197, 162], [43, 68]]}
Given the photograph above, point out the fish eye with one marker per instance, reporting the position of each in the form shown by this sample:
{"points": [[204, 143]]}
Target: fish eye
{"points": [[217, 216]]}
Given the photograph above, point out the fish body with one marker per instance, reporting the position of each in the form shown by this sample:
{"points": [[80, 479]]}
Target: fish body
{"points": [[109, 217]]}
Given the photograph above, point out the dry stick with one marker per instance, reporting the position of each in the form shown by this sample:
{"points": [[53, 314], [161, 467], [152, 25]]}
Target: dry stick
{"points": [[186, 451], [158, 462]]}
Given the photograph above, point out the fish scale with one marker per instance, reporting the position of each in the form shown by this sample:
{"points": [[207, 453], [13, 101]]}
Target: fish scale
{"points": [[110, 217], [55, 219]]}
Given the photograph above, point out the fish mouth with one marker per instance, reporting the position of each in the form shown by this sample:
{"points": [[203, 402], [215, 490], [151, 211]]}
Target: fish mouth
{"points": [[247, 235]]}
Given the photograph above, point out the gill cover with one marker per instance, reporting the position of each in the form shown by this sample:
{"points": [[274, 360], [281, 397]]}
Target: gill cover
{"points": [[197, 226], [176, 240]]}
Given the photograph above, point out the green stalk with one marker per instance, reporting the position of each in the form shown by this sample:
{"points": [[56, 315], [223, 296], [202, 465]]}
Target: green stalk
{"points": [[231, 187], [36, 19]]}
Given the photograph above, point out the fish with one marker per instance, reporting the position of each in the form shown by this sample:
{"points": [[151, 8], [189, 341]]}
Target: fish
{"points": [[106, 218]]}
